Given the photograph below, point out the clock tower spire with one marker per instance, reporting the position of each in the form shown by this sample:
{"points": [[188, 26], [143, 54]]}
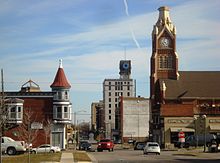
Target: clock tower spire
{"points": [[164, 59]]}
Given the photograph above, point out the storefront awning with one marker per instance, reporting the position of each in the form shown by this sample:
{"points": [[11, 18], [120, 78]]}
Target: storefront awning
{"points": [[214, 128], [178, 129]]}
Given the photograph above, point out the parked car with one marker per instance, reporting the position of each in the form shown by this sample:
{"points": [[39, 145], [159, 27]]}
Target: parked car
{"points": [[105, 144], [131, 141], [85, 145], [139, 145], [199, 140], [46, 148], [152, 147], [12, 147]]}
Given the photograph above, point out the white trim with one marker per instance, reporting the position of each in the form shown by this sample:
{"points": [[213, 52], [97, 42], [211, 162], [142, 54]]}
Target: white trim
{"points": [[62, 103]]}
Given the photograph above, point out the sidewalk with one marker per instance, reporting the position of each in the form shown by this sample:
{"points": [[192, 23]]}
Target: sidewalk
{"points": [[67, 157]]}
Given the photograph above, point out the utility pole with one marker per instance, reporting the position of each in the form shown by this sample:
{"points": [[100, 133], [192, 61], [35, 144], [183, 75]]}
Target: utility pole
{"points": [[2, 109]]}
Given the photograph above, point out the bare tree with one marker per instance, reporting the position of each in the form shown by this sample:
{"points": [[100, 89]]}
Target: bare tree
{"points": [[47, 128], [24, 129]]}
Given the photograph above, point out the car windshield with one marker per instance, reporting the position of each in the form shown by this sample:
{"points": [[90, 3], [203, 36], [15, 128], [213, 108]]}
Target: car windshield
{"points": [[105, 140], [7, 139], [153, 145]]}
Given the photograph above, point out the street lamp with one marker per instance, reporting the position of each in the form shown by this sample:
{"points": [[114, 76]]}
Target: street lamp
{"points": [[204, 118]]}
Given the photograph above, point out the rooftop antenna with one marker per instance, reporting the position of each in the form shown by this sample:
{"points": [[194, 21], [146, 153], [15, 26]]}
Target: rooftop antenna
{"points": [[125, 53]]}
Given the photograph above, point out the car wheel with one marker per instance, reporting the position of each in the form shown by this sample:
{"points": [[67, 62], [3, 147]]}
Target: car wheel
{"points": [[112, 149], [158, 153], [11, 151], [34, 152], [51, 151]]}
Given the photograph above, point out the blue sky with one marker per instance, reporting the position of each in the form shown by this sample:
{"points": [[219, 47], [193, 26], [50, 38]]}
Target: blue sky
{"points": [[90, 37]]}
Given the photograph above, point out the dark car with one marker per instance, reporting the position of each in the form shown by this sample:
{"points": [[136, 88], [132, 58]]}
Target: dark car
{"points": [[84, 145], [105, 144], [139, 145]]}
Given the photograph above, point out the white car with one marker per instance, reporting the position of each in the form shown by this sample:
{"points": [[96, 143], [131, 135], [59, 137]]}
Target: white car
{"points": [[12, 147], [152, 147], [45, 148]]}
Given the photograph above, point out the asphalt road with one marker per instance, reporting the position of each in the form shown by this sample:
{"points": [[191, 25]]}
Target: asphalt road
{"points": [[133, 156]]}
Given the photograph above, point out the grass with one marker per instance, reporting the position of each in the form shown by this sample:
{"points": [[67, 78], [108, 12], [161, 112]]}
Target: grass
{"points": [[81, 156], [34, 158]]}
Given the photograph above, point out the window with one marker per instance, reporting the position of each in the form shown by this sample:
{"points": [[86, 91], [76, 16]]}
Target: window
{"points": [[109, 117], [109, 83], [116, 99], [109, 94], [165, 62], [66, 96], [13, 112], [66, 112], [128, 93], [62, 112], [59, 112], [109, 88], [109, 111], [109, 105], [128, 87], [59, 95], [19, 112], [109, 100]]}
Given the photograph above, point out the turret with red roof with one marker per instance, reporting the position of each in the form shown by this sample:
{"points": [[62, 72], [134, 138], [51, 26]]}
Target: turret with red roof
{"points": [[60, 79]]}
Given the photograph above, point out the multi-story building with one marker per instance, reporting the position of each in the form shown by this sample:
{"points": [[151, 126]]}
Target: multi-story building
{"points": [[186, 101], [112, 90], [39, 117], [134, 118], [97, 115]]}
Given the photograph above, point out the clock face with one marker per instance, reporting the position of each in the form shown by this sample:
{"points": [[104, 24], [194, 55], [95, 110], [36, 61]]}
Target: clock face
{"points": [[164, 42], [125, 65]]}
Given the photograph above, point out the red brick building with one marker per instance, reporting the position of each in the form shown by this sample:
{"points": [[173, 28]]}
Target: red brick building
{"points": [[39, 117], [187, 101]]}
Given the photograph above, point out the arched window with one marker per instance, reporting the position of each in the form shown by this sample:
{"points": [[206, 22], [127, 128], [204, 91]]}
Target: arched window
{"points": [[165, 62]]}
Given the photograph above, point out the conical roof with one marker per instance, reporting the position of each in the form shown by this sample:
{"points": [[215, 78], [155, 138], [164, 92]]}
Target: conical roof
{"points": [[60, 78]]}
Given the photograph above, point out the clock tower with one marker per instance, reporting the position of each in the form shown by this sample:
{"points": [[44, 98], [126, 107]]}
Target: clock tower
{"points": [[125, 69], [164, 59]]}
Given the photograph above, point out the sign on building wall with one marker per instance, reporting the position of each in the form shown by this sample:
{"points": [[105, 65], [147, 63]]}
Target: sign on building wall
{"points": [[36, 125]]}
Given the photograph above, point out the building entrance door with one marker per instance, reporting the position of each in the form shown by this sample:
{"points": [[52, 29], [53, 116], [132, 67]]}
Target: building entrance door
{"points": [[57, 138]]}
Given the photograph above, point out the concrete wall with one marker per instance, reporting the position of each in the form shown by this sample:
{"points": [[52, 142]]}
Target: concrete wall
{"points": [[135, 118]]}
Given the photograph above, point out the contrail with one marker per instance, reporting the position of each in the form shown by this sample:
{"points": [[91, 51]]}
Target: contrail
{"points": [[126, 7], [132, 31]]}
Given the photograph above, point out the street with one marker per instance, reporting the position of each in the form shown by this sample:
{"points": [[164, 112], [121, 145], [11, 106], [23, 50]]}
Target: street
{"points": [[136, 156]]}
